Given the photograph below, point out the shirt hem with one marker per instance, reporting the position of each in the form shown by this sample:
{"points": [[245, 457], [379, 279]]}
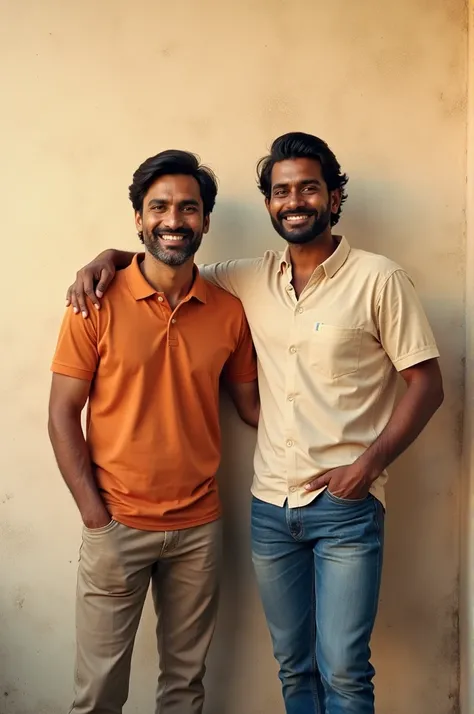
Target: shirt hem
{"points": [[138, 524], [377, 492], [241, 378]]}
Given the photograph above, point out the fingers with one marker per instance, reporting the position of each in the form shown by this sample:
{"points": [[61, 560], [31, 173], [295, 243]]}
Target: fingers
{"points": [[71, 298], [106, 277], [83, 286], [76, 293], [317, 484], [88, 289], [81, 300]]}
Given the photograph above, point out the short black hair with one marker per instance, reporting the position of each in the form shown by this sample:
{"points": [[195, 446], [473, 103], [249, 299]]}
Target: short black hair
{"points": [[173, 161], [298, 145]]}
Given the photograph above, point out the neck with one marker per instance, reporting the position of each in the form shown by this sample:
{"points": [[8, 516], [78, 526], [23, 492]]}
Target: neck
{"points": [[174, 281], [307, 257]]}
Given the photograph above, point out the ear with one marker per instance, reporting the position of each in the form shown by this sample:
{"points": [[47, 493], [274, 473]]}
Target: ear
{"points": [[335, 200], [138, 221], [267, 204], [206, 223]]}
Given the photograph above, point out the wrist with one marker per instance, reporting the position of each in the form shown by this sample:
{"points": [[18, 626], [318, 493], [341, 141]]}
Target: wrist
{"points": [[109, 254], [368, 469], [95, 517]]}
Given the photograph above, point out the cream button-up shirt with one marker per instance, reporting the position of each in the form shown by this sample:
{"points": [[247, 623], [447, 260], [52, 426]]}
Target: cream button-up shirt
{"points": [[327, 362]]}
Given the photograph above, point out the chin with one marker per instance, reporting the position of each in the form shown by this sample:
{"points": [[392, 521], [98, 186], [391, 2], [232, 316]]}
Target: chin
{"points": [[299, 239]]}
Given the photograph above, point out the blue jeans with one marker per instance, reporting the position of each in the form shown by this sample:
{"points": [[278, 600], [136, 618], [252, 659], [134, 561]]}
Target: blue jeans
{"points": [[318, 570]]}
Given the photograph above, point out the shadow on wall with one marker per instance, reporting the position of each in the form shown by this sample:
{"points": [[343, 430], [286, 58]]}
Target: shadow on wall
{"points": [[241, 650], [239, 230]]}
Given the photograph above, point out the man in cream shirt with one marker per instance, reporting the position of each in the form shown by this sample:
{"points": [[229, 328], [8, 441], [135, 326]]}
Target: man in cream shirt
{"points": [[333, 326]]}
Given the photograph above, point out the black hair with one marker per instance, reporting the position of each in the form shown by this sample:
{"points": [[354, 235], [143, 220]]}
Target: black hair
{"points": [[173, 161], [298, 145]]}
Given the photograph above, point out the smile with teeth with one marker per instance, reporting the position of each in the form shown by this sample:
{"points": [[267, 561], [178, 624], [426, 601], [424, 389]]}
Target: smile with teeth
{"points": [[171, 237], [297, 218]]}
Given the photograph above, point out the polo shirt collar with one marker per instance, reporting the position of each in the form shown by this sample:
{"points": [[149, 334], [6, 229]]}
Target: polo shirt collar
{"points": [[331, 265], [141, 288], [198, 289]]}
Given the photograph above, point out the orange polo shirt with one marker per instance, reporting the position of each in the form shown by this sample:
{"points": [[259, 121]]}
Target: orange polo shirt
{"points": [[153, 412]]}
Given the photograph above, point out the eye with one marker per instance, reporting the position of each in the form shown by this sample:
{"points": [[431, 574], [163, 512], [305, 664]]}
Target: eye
{"points": [[279, 192], [190, 209], [310, 189]]}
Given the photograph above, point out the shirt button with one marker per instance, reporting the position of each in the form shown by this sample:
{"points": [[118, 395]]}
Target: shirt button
{"points": [[173, 320], [293, 489], [300, 310], [289, 288], [290, 443], [160, 299], [291, 397], [292, 349]]}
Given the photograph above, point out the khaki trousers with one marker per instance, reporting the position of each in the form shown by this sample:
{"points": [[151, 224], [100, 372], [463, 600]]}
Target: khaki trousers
{"points": [[116, 566]]}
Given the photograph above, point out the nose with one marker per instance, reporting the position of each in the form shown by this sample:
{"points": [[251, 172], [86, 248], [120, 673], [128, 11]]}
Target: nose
{"points": [[294, 200], [173, 219]]}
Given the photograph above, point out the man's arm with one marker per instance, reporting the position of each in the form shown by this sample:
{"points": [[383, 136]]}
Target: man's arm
{"points": [[246, 399], [424, 395], [94, 278], [67, 399]]}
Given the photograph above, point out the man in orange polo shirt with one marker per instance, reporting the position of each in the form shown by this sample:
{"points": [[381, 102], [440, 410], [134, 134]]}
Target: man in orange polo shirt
{"points": [[149, 364]]}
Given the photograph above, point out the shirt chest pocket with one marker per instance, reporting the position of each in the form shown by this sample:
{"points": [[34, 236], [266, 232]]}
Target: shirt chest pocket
{"points": [[334, 350]]}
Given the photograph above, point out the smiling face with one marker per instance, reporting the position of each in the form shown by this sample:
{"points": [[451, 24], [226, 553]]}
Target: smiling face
{"points": [[300, 205], [172, 219]]}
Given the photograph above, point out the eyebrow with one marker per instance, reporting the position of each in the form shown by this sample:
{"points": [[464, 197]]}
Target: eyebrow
{"points": [[162, 201], [306, 182]]}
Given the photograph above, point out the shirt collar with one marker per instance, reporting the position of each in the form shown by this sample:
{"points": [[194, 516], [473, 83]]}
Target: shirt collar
{"points": [[331, 265], [141, 288]]}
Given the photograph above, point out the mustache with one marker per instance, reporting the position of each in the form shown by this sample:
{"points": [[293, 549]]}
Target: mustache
{"points": [[296, 212], [185, 232]]}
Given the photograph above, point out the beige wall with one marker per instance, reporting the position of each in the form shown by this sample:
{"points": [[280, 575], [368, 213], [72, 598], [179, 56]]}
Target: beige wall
{"points": [[89, 89]]}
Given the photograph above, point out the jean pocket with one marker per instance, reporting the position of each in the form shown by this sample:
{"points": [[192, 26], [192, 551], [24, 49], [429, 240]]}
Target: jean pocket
{"points": [[103, 529], [347, 501]]}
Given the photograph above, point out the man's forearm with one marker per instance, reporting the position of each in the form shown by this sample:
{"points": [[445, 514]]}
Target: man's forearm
{"points": [[409, 418], [72, 455]]}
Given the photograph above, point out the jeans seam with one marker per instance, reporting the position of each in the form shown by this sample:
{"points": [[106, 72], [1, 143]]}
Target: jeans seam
{"points": [[297, 512], [379, 573], [314, 662], [76, 664], [162, 657]]}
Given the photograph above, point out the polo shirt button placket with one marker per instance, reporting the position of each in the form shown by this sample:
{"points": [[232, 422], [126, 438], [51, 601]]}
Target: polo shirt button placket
{"points": [[172, 331]]}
